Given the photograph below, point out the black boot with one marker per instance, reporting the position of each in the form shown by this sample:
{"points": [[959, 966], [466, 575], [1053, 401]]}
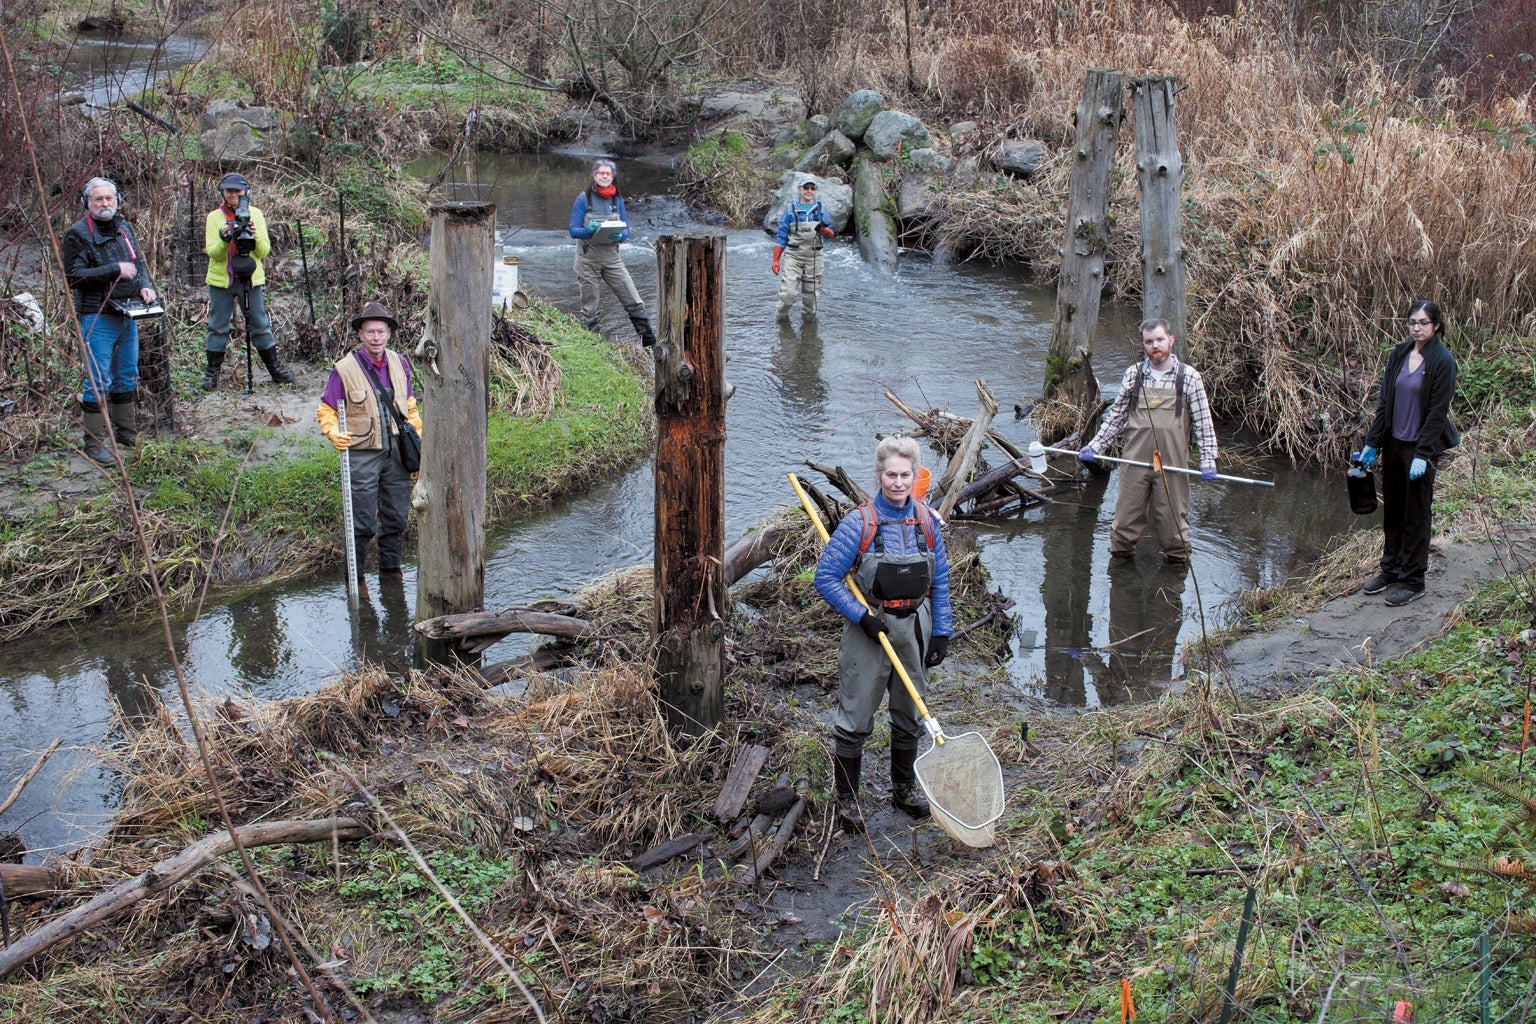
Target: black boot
{"points": [[643, 328], [211, 374], [123, 409], [280, 374], [95, 425], [845, 782], [906, 795]]}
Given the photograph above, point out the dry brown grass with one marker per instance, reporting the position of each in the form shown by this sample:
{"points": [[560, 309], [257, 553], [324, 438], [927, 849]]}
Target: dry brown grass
{"points": [[1324, 193]]}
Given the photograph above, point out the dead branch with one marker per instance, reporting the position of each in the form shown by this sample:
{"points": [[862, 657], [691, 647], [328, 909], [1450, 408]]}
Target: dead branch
{"points": [[960, 465], [776, 848], [31, 773], [22, 880], [167, 873]]}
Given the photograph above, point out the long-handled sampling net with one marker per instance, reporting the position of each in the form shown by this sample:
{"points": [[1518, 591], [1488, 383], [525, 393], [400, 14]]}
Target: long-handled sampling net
{"points": [[960, 774]]}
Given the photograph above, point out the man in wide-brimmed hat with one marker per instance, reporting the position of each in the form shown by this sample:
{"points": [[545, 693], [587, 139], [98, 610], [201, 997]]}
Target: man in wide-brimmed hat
{"points": [[372, 385], [236, 241]]}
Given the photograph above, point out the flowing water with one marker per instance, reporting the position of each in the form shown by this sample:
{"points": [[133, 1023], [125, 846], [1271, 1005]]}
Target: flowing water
{"points": [[1088, 634]]}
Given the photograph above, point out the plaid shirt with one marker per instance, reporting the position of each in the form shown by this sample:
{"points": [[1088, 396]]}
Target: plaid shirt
{"points": [[1194, 396]]}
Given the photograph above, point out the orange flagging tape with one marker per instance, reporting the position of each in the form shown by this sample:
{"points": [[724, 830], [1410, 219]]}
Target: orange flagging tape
{"points": [[1127, 1004]]}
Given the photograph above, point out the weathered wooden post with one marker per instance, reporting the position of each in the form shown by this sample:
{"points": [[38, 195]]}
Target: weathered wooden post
{"points": [[1069, 372], [690, 480], [453, 367], [1160, 182]]}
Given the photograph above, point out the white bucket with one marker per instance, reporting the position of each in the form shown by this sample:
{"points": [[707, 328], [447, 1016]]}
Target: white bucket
{"points": [[1037, 461], [504, 283]]}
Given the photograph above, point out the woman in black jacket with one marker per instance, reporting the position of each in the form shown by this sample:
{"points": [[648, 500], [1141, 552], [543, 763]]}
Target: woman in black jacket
{"points": [[1411, 429]]}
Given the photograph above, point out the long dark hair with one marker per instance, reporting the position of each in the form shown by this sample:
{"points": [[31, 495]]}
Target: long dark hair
{"points": [[1431, 311]]}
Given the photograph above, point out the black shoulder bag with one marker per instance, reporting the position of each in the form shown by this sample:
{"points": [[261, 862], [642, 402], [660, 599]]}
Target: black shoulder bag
{"points": [[407, 441]]}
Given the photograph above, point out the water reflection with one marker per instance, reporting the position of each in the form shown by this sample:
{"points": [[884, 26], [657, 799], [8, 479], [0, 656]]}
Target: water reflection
{"points": [[806, 391]]}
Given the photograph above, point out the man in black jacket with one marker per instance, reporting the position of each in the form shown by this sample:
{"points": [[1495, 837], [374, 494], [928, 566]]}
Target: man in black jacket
{"points": [[105, 267]]}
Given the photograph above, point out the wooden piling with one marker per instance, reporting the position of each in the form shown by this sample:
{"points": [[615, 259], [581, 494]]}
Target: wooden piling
{"points": [[1160, 183], [690, 480], [452, 372], [1069, 371]]}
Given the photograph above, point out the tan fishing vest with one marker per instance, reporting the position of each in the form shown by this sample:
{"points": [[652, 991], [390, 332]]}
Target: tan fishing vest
{"points": [[363, 411]]}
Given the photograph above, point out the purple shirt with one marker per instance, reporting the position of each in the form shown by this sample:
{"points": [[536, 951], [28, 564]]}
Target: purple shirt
{"points": [[1407, 406], [380, 374]]}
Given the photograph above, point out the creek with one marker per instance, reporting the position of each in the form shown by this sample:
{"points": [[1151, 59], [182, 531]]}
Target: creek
{"points": [[804, 391]]}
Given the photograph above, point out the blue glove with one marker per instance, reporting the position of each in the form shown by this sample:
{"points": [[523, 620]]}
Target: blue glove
{"points": [[1087, 454], [1207, 472], [1368, 456], [1417, 469]]}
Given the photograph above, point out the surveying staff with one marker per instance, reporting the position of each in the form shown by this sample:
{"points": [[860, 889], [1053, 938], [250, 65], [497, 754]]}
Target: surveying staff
{"points": [[797, 249], [597, 250], [894, 549], [1161, 402], [236, 241], [105, 265], [381, 486], [1411, 429]]}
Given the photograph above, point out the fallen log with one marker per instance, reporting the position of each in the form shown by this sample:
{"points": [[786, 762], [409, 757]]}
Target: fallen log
{"points": [[669, 850], [542, 660], [753, 549], [167, 873], [502, 623], [22, 880], [995, 478]]}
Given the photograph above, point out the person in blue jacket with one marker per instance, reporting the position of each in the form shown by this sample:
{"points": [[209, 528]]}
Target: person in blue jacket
{"points": [[895, 550], [797, 249], [1411, 429], [597, 250]]}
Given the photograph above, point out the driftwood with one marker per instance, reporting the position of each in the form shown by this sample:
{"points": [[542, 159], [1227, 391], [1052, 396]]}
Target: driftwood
{"points": [[960, 463], [37, 766], [995, 478], [542, 660], [774, 849], [500, 623], [738, 784], [748, 838], [22, 880], [670, 850], [753, 549], [167, 873]]}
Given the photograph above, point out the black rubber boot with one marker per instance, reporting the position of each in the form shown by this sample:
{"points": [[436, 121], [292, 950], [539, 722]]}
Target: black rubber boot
{"points": [[643, 328], [906, 795], [845, 781], [211, 373], [279, 373], [123, 409], [95, 425]]}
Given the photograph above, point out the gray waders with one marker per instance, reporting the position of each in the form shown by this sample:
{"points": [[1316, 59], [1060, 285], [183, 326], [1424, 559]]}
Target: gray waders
{"points": [[800, 268], [1158, 422]]}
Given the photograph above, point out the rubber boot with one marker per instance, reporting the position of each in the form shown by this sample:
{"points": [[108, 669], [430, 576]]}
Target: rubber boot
{"points": [[211, 374], [906, 795], [95, 425], [280, 374], [643, 328], [123, 409], [845, 781]]}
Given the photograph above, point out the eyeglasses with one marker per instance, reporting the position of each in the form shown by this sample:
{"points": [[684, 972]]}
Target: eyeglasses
{"points": [[1419, 323]]}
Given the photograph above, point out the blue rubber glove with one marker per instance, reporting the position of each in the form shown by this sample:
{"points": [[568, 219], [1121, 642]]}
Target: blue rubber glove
{"points": [[1207, 472], [1087, 454], [1368, 456], [1417, 469]]}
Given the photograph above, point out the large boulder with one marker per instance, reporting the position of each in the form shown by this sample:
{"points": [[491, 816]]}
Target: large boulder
{"points": [[929, 161], [834, 151], [915, 197], [853, 115], [835, 195], [816, 127], [873, 224], [1022, 158], [891, 131], [233, 131], [773, 108]]}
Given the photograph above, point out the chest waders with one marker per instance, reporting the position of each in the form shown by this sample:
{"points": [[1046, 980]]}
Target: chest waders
{"points": [[800, 268], [598, 264], [1158, 424]]}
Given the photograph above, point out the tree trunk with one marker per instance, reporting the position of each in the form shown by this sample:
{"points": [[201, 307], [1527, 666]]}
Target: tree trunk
{"points": [[1069, 371], [453, 375], [690, 481], [1160, 182]]}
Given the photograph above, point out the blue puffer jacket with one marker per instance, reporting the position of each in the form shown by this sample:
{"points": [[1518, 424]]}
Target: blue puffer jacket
{"points": [[843, 550]]}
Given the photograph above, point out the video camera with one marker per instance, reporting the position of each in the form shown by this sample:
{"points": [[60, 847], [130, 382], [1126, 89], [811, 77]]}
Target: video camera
{"points": [[244, 241]]}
